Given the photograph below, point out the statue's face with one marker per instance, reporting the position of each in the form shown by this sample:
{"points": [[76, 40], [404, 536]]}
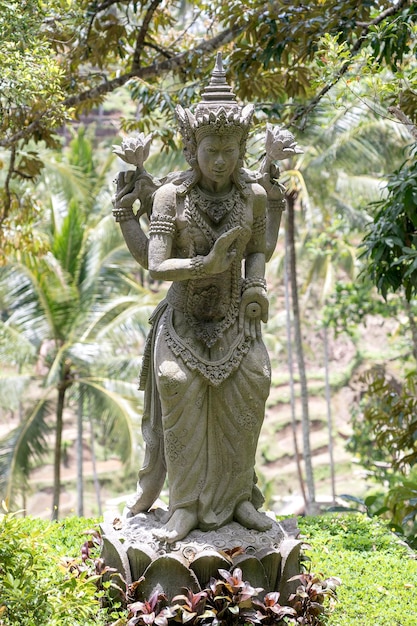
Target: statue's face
{"points": [[217, 157]]}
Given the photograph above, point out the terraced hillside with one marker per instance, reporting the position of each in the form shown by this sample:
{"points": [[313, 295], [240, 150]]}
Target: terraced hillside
{"points": [[276, 460]]}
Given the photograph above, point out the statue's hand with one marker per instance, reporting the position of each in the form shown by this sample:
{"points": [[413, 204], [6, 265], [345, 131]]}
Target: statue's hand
{"points": [[223, 252], [126, 192], [135, 185], [269, 181], [253, 309]]}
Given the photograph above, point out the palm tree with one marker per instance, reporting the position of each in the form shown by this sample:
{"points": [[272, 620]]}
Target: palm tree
{"points": [[70, 306], [288, 326], [292, 266], [55, 304]]}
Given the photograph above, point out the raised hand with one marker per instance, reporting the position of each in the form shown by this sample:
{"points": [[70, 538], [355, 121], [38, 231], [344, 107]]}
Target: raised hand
{"points": [[223, 252], [126, 192], [135, 185]]}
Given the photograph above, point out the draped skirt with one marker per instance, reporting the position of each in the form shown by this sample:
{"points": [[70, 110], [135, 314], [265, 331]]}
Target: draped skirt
{"points": [[203, 412]]}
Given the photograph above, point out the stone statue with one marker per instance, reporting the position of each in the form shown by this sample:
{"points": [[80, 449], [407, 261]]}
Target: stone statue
{"points": [[206, 371]]}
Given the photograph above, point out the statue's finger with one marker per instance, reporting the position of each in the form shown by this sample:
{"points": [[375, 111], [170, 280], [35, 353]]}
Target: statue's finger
{"points": [[126, 190], [127, 200]]}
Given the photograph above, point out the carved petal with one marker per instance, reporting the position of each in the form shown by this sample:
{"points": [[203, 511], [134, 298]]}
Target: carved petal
{"points": [[271, 560], [207, 564], [290, 551], [169, 575], [140, 557], [252, 571]]}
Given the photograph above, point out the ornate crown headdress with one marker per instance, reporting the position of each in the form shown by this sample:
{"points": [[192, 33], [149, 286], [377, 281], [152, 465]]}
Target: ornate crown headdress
{"points": [[218, 112]]}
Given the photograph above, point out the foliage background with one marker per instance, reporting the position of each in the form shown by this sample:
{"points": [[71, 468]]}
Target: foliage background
{"points": [[340, 74]]}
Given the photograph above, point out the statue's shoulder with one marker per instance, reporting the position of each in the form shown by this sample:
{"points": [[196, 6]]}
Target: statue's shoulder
{"points": [[259, 198], [166, 190], [252, 182], [173, 186], [165, 199], [166, 196], [258, 191]]}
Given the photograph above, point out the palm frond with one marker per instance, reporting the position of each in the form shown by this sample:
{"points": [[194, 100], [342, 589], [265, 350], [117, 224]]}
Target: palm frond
{"points": [[124, 314], [15, 348], [26, 442], [116, 404], [124, 366], [68, 240], [106, 256], [359, 188], [22, 299], [12, 388], [66, 179]]}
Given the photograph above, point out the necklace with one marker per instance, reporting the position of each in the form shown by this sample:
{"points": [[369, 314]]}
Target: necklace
{"points": [[215, 207]]}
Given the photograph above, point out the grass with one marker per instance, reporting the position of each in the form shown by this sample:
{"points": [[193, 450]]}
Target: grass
{"points": [[379, 573]]}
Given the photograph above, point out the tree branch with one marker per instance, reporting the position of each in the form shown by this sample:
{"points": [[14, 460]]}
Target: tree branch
{"points": [[8, 198], [140, 39], [94, 11], [305, 110], [155, 69], [162, 51], [404, 119], [387, 13]]}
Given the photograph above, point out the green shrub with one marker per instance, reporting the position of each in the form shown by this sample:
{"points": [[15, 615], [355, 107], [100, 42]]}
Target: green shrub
{"points": [[384, 441], [36, 586]]}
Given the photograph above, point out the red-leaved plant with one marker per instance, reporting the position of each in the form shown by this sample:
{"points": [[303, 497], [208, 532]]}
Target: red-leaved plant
{"points": [[308, 600], [227, 601], [153, 611], [231, 601], [270, 611]]}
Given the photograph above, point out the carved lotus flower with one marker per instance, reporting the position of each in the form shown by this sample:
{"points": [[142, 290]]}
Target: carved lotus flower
{"points": [[134, 150], [280, 143], [268, 560]]}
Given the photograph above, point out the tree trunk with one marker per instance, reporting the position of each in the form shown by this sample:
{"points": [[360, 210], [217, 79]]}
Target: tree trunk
{"points": [[93, 461], [413, 327], [58, 451], [80, 478], [329, 412], [291, 371], [311, 504]]}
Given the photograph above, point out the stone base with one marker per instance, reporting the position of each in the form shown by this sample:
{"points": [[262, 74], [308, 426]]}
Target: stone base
{"points": [[267, 559]]}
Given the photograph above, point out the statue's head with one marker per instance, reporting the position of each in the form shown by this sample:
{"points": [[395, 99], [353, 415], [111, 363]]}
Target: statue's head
{"points": [[217, 115]]}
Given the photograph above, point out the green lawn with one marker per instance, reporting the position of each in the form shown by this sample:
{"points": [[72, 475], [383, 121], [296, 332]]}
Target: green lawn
{"points": [[379, 574]]}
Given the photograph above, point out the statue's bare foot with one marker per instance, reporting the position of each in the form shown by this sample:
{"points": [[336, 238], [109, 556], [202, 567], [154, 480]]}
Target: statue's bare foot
{"points": [[249, 517], [181, 522], [138, 503]]}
